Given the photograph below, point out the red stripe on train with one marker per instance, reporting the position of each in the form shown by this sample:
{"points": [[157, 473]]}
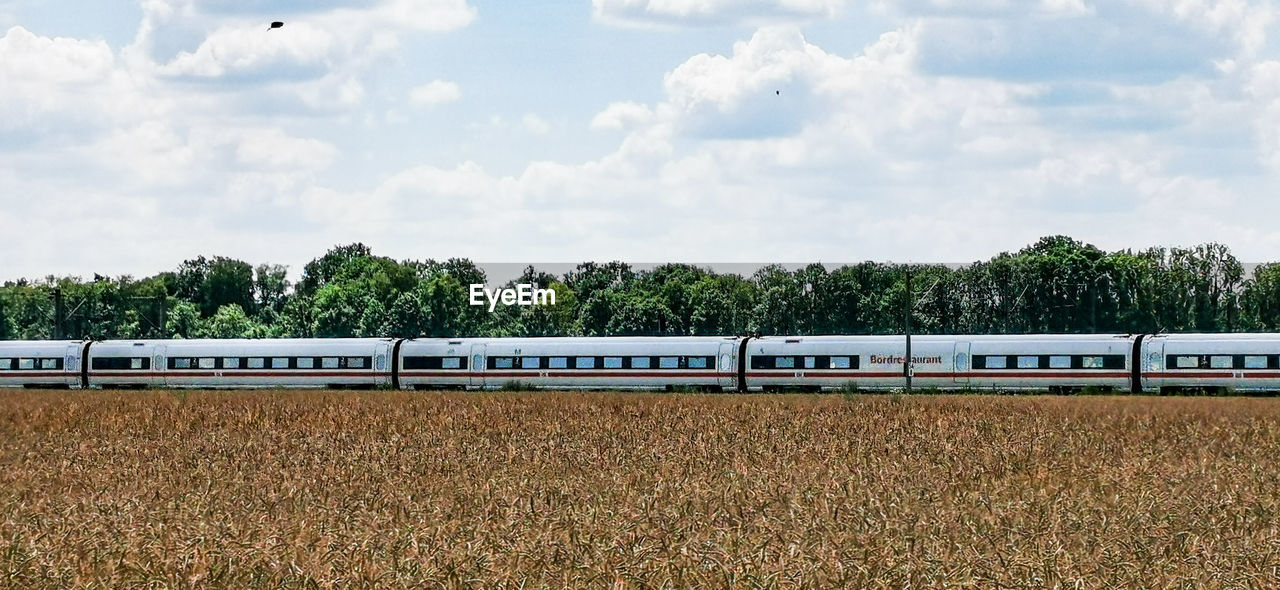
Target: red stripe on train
{"points": [[228, 373], [819, 374]]}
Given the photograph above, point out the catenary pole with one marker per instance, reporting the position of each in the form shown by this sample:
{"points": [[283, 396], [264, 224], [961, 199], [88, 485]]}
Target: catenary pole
{"points": [[907, 367]]}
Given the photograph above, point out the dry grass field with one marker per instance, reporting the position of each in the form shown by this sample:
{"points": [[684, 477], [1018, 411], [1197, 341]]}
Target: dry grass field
{"points": [[378, 489]]}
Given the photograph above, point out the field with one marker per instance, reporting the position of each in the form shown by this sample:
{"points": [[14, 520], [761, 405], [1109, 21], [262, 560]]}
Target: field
{"points": [[376, 489]]}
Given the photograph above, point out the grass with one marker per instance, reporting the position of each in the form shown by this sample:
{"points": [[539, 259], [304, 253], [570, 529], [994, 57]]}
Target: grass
{"points": [[397, 489]]}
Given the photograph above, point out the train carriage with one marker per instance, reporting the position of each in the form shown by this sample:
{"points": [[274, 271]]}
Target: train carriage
{"points": [[1023, 362], [615, 362], [41, 363], [866, 362], [1056, 362], [1211, 362], [298, 362], [123, 363]]}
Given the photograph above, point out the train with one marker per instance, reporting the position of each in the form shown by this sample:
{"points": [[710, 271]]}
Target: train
{"points": [[1057, 363]]}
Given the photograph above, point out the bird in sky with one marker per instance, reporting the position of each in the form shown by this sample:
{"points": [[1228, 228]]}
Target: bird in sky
{"points": [[275, 25]]}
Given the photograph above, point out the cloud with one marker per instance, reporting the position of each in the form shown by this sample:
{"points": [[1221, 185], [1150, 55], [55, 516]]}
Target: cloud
{"points": [[534, 124], [48, 79], [710, 12], [298, 50], [621, 115], [956, 131], [434, 93], [882, 159]]}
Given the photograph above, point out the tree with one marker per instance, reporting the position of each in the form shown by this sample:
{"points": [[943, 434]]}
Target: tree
{"points": [[589, 278], [721, 304], [336, 311], [270, 287], [1260, 300], [319, 272], [183, 320], [230, 321], [643, 315]]}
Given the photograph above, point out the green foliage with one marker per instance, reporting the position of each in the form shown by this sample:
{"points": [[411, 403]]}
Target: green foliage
{"points": [[1054, 285], [183, 320], [231, 322]]}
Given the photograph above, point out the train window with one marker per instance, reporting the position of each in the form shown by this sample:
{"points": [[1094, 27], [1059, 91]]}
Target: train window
{"points": [[48, 363], [639, 362], [1250, 362], [502, 362], [995, 362], [26, 364], [180, 363], [306, 362], [357, 362], [207, 363], [809, 362], [558, 362], [136, 363], [613, 362], [1059, 362], [1028, 362], [668, 362], [530, 362], [784, 362], [1091, 362], [840, 362], [697, 362], [962, 361], [1220, 361], [1153, 361], [256, 362], [451, 362], [279, 362], [584, 362], [6, 364], [231, 362], [1187, 361], [329, 362]]}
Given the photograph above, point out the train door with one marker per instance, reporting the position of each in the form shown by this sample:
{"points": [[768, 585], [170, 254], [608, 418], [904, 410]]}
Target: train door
{"points": [[1152, 364], [158, 365], [960, 358], [728, 366], [71, 365], [477, 365], [381, 366]]}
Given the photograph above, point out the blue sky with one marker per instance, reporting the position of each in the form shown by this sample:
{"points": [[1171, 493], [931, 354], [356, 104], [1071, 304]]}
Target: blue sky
{"points": [[134, 136]]}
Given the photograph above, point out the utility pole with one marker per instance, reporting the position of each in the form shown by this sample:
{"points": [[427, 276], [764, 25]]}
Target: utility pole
{"points": [[907, 368], [59, 315]]}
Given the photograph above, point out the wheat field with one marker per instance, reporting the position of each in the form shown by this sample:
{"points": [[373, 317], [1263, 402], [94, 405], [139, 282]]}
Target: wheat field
{"points": [[316, 489]]}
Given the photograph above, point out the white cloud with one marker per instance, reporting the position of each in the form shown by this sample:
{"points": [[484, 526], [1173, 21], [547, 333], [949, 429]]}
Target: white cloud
{"points": [[882, 161], [621, 115], [435, 92], [1264, 87], [48, 83], [534, 124], [694, 12], [213, 135], [246, 48]]}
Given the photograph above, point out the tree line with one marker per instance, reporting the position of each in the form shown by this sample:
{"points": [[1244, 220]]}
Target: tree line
{"points": [[1057, 285]]}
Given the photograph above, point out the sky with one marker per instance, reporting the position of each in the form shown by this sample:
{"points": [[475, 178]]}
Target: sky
{"points": [[136, 136]]}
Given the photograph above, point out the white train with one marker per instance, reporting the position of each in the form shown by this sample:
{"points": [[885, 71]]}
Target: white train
{"points": [[1058, 363]]}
